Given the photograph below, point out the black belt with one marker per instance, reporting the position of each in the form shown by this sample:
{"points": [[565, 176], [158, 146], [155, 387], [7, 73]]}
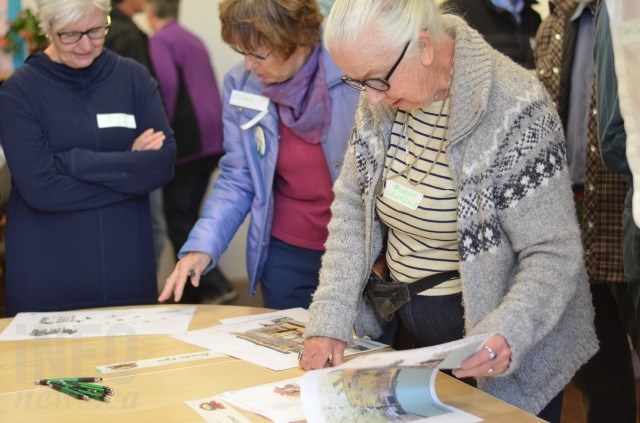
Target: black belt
{"points": [[387, 297], [431, 281]]}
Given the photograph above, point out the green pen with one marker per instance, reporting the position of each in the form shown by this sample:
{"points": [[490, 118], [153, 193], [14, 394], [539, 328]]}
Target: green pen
{"points": [[68, 379], [66, 390], [93, 394], [90, 386]]}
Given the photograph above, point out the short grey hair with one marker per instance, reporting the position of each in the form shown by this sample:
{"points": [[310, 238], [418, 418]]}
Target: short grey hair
{"points": [[55, 14], [391, 22]]}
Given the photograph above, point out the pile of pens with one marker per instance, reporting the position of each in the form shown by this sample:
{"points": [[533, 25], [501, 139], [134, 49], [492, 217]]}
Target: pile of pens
{"points": [[83, 388]]}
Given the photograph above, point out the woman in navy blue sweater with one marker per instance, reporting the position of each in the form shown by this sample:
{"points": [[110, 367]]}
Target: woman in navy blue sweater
{"points": [[86, 140]]}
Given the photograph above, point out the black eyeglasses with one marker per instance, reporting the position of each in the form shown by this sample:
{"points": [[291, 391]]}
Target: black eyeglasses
{"points": [[257, 56], [378, 84], [96, 33]]}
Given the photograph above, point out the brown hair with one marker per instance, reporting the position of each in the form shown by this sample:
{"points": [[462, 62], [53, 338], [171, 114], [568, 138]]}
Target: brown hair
{"points": [[281, 25], [165, 8]]}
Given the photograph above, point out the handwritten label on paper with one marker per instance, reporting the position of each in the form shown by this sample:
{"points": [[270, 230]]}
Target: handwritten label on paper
{"points": [[402, 195], [116, 120], [249, 101], [160, 361]]}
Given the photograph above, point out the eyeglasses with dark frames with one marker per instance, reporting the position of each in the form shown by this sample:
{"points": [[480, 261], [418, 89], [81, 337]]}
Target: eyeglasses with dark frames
{"points": [[378, 84], [256, 56], [96, 33]]}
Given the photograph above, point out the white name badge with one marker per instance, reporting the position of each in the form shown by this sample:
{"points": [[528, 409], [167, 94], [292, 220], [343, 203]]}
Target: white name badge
{"points": [[116, 120], [250, 101], [402, 195]]}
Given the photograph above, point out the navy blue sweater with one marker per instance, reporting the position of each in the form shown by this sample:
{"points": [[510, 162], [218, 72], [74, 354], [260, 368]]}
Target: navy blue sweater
{"points": [[78, 221]]}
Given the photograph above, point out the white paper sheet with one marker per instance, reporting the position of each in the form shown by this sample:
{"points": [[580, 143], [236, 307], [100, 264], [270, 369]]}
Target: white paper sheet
{"points": [[214, 410], [90, 323], [271, 340], [278, 401]]}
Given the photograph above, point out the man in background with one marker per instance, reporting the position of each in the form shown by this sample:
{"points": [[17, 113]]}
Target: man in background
{"points": [[126, 39], [565, 65], [510, 26], [612, 136]]}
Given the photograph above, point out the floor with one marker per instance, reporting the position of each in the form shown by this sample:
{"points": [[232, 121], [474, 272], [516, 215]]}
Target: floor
{"points": [[572, 409]]}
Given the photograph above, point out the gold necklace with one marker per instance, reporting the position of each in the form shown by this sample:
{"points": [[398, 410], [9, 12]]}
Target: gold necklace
{"points": [[409, 166], [404, 136]]}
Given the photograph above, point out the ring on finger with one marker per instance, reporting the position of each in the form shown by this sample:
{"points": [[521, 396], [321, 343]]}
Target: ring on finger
{"points": [[492, 353], [300, 357], [192, 273]]}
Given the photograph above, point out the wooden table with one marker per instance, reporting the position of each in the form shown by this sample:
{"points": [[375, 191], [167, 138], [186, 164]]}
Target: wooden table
{"points": [[158, 394]]}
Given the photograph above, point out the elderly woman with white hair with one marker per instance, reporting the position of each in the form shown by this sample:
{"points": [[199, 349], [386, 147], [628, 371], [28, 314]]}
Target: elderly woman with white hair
{"points": [[456, 176], [86, 139]]}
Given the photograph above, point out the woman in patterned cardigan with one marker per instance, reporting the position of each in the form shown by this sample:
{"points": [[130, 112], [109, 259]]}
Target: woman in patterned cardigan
{"points": [[456, 162]]}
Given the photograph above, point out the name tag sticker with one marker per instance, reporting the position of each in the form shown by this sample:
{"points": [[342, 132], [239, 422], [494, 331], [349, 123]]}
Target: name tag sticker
{"points": [[631, 31], [249, 101], [116, 120], [252, 102], [402, 195]]}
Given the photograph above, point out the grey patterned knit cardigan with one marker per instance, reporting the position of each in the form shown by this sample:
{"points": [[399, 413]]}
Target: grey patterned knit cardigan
{"points": [[519, 244]]}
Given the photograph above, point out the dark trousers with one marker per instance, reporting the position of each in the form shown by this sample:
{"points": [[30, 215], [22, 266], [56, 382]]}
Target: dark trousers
{"points": [[606, 381], [552, 413], [182, 199], [290, 275], [434, 320], [631, 256]]}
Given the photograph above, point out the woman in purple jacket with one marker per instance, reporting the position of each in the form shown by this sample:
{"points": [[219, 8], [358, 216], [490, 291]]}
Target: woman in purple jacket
{"points": [[287, 118]]}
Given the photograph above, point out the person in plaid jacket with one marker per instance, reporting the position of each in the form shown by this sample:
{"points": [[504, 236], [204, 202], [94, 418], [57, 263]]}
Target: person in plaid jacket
{"points": [[564, 64]]}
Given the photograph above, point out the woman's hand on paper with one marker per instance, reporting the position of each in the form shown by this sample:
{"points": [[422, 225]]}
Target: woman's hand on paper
{"points": [[492, 359], [149, 140], [190, 266], [320, 352]]}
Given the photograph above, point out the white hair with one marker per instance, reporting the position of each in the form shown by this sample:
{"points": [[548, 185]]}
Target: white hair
{"points": [[390, 23], [55, 14]]}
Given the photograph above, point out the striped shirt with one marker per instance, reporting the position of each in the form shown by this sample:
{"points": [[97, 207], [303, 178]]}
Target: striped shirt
{"points": [[423, 241]]}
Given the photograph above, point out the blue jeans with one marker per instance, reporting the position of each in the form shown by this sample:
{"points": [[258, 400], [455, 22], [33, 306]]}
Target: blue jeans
{"points": [[553, 411], [434, 320], [290, 275]]}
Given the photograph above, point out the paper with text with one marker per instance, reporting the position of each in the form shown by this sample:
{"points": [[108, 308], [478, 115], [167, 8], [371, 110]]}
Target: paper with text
{"points": [[159, 361], [98, 322]]}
